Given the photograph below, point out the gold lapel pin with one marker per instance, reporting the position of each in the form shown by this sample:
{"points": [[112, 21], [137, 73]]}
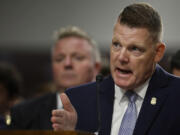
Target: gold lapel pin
{"points": [[153, 101]]}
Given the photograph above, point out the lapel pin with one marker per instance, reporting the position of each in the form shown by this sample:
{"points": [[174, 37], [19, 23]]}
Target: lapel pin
{"points": [[153, 101]]}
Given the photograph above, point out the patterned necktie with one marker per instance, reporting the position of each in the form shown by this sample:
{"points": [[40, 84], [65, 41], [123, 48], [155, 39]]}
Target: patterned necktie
{"points": [[130, 116]]}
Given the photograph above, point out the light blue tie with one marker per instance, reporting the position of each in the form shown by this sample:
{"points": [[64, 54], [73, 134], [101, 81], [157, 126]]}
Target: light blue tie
{"points": [[130, 116]]}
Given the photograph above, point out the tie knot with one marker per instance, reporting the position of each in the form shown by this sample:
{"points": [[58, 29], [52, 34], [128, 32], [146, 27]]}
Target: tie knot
{"points": [[132, 96]]}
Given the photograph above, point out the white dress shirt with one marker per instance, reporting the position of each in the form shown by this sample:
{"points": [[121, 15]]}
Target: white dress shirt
{"points": [[121, 104], [59, 102]]}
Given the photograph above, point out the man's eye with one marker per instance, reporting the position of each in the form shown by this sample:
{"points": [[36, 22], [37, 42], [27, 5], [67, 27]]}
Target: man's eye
{"points": [[135, 49], [116, 46], [79, 57], [59, 59]]}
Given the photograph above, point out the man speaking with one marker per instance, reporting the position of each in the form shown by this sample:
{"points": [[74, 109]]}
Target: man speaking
{"points": [[139, 98]]}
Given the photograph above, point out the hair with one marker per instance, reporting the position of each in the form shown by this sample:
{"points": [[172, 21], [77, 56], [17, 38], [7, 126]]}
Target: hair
{"points": [[142, 15], [10, 79], [175, 61], [74, 31]]}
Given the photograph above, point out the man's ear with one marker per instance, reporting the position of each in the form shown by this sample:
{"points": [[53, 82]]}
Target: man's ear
{"points": [[160, 50]]}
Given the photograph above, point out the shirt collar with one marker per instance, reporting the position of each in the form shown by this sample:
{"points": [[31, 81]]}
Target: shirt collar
{"points": [[59, 103], [140, 91]]}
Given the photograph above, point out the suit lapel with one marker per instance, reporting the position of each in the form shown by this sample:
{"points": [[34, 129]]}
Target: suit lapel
{"points": [[107, 101], [155, 96], [45, 112]]}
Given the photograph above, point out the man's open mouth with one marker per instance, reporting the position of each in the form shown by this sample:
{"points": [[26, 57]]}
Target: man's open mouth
{"points": [[124, 71]]}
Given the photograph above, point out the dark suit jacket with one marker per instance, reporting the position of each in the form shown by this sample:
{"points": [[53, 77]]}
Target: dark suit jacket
{"points": [[2, 123], [163, 118], [34, 114]]}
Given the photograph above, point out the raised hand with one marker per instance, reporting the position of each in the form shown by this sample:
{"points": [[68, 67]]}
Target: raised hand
{"points": [[66, 118]]}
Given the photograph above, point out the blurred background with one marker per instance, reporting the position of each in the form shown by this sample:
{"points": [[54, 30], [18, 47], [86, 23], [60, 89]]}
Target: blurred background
{"points": [[27, 26]]}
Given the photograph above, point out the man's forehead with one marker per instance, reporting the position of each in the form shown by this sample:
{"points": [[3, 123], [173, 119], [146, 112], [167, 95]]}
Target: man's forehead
{"points": [[73, 42], [71, 49], [122, 30]]}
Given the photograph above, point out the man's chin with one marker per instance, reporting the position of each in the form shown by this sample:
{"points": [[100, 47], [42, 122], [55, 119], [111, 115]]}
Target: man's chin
{"points": [[124, 85], [69, 85]]}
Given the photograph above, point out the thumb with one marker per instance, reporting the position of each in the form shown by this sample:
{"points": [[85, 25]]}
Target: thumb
{"points": [[66, 103]]}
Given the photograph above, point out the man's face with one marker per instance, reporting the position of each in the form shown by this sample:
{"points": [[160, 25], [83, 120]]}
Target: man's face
{"points": [[72, 62], [133, 56]]}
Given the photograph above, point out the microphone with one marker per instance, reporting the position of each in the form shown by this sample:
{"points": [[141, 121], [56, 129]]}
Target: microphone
{"points": [[99, 79]]}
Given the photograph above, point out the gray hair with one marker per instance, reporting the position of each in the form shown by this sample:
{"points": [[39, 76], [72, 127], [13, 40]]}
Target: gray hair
{"points": [[74, 31]]}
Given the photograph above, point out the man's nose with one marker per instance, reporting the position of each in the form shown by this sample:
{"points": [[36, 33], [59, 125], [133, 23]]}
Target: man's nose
{"points": [[123, 55], [68, 62]]}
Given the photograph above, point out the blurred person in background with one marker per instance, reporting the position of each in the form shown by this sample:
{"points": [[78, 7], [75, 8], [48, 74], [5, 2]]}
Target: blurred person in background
{"points": [[10, 86], [175, 64], [75, 61]]}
